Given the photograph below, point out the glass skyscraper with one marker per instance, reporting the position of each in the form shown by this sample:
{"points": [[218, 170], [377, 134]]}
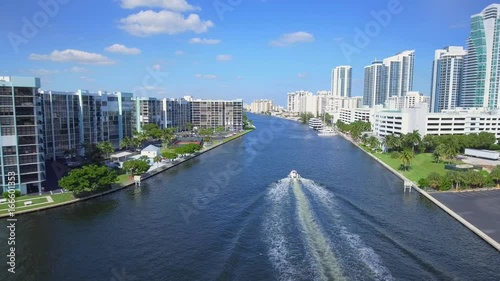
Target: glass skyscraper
{"points": [[481, 76], [399, 74], [374, 92], [446, 85]]}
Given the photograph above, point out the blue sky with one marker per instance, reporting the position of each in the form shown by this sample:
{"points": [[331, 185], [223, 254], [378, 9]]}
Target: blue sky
{"points": [[248, 49]]}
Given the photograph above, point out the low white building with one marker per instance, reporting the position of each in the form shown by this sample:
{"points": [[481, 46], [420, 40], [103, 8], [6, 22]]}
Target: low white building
{"points": [[455, 122], [350, 115], [151, 151], [411, 99]]}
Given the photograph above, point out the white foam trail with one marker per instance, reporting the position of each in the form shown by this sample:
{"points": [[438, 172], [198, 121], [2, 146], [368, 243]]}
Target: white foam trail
{"points": [[279, 254], [366, 254], [319, 245]]}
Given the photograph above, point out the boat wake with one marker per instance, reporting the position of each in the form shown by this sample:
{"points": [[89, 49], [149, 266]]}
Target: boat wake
{"points": [[302, 246]]}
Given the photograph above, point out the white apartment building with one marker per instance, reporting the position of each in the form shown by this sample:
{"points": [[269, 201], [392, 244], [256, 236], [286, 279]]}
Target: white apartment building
{"points": [[261, 106], [350, 115], [411, 99], [21, 134], [453, 122], [302, 102]]}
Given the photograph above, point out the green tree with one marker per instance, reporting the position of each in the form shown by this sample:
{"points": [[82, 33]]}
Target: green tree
{"points": [[439, 153], [92, 152], [374, 143], [167, 137], [88, 179], [434, 179], [392, 143], [305, 117], [456, 178], [495, 175], [406, 156], [169, 155], [136, 167], [450, 153], [157, 160], [106, 147], [220, 129], [423, 183], [412, 140], [474, 179], [189, 126], [126, 143]]}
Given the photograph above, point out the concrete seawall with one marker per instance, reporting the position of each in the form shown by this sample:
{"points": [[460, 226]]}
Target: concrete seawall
{"points": [[144, 177], [450, 212]]}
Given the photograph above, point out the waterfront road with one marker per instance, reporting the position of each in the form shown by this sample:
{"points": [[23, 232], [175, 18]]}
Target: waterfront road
{"points": [[481, 208]]}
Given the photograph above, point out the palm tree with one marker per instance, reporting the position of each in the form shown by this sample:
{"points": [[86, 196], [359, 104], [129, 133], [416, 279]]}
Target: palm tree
{"points": [[450, 153], [106, 147], [495, 175], [373, 142], [167, 137], [456, 178], [434, 180], [406, 156], [364, 139], [126, 143], [413, 139], [157, 160]]}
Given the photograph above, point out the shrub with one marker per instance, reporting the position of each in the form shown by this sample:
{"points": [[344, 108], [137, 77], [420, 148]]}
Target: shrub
{"points": [[395, 155], [5, 194]]}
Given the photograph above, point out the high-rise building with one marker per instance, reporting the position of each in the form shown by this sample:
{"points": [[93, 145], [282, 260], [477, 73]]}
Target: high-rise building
{"points": [[481, 77], [207, 114], [399, 73], [176, 113], [262, 106], [73, 118], [21, 128], [446, 83], [374, 92], [341, 81], [147, 111]]}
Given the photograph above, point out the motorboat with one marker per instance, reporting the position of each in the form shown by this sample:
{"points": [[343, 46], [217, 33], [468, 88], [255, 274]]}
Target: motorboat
{"points": [[327, 132], [294, 175]]}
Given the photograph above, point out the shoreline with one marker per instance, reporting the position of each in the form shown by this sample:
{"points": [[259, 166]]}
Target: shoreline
{"points": [[450, 212], [128, 184]]}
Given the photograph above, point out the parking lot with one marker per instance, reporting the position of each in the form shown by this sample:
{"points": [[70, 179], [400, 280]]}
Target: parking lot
{"points": [[479, 161], [481, 208]]}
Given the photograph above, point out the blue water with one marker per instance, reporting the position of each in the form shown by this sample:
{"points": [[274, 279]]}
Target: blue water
{"points": [[231, 214]]}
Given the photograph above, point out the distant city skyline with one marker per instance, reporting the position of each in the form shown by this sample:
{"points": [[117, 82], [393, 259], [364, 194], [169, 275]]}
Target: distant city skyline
{"points": [[210, 51]]}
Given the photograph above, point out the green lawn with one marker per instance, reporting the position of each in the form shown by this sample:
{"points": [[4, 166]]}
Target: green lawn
{"points": [[122, 179], [57, 198], [237, 135], [421, 166]]}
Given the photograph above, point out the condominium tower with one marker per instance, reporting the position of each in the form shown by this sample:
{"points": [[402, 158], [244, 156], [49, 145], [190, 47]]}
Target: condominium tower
{"points": [[481, 78], [342, 81], [399, 74], [21, 128], [374, 92], [446, 83]]}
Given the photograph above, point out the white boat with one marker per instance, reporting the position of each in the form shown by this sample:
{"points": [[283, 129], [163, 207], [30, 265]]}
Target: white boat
{"points": [[315, 124], [327, 132], [294, 175]]}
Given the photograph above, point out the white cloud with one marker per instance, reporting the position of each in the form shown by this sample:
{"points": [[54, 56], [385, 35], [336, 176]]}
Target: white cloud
{"points": [[121, 49], [77, 69], [206, 76], [180, 53], [149, 23], [302, 75], [87, 79], [204, 41], [224, 57], [71, 55], [292, 38], [156, 67], [174, 5], [43, 72]]}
